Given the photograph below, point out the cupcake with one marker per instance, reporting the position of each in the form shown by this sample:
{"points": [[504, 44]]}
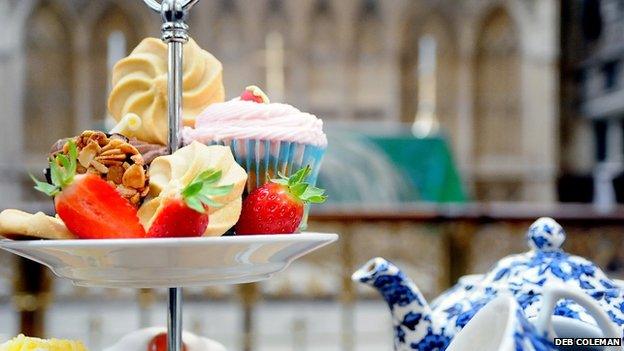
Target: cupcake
{"points": [[155, 339], [265, 138]]}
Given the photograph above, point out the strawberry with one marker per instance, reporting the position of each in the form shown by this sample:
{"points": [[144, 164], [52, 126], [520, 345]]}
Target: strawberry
{"points": [[90, 207], [159, 343], [277, 206], [186, 214], [255, 94]]}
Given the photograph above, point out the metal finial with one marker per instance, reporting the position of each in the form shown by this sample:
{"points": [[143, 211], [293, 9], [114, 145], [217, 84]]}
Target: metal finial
{"points": [[174, 32], [156, 6]]}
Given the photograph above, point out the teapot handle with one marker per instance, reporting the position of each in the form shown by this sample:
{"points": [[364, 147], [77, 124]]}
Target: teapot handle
{"points": [[552, 295]]}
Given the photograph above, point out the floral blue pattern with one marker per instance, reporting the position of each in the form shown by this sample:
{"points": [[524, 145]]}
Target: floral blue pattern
{"points": [[420, 327], [526, 337], [431, 342]]}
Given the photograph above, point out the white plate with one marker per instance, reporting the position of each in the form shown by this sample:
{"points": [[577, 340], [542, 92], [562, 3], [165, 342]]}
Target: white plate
{"points": [[169, 262]]}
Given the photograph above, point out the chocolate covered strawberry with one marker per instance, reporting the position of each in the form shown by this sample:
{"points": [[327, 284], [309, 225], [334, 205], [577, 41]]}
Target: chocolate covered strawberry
{"points": [[89, 206], [277, 207], [185, 214]]}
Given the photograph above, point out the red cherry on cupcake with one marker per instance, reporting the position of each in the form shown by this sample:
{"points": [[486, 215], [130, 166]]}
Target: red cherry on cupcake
{"points": [[159, 343], [255, 94]]}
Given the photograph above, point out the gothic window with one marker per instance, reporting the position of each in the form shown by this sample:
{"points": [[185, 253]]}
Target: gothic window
{"points": [[113, 36], [498, 124], [48, 113], [426, 79], [369, 32], [444, 75], [228, 38], [276, 16], [371, 70], [429, 77], [228, 30], [275, 60], [323, 60]]}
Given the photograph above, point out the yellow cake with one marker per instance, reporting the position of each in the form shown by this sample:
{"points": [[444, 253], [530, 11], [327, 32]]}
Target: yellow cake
{"points": [[24, 343]]}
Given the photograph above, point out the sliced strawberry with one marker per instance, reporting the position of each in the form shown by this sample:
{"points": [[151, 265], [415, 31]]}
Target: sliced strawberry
{"points": [[277, 207], [90, 207], [255, 94], [187, 214]]}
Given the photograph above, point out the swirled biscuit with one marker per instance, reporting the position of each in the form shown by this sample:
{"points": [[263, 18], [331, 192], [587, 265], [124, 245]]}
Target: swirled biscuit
{"points": [[140, 88]]}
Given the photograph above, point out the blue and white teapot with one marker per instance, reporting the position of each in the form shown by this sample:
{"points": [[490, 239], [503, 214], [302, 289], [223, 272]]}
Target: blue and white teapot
{"points": [[420, 326]]}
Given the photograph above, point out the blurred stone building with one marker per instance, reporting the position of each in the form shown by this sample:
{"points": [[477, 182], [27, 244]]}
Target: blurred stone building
{"points": [[494, 89], [592, 87]]}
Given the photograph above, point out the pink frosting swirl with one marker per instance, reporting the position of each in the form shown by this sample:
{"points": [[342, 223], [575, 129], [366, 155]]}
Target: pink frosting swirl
{"points": [[237, 119]]}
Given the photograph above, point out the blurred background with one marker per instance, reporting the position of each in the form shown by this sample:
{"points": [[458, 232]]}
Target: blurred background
{"points": [[452, 125]]}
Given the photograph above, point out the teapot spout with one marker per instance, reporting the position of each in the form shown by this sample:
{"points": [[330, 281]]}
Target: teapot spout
{"points": [[411, 315]]}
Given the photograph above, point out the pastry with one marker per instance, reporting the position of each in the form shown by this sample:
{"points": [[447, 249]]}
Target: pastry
{"points": [[91, 206], [114, 159], [16, 224], [149, 151], [140, 88], [169, 174], [24, 343], [265, 138]]}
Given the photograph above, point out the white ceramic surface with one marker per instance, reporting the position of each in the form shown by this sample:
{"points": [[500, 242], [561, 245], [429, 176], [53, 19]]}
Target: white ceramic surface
{"points": [[169, 262], [139, 340], [502, 326]]}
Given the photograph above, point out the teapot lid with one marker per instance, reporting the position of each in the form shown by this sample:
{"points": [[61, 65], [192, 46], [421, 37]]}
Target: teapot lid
{"points": [[546, 262], [545, 234]]}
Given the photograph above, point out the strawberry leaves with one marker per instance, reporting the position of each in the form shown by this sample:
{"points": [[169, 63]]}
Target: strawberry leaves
{"points": [[299, 188], [198, 194], [62, 172]]}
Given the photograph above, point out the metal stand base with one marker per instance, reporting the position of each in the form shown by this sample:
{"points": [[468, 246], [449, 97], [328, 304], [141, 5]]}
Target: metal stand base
{"points": [[174, 320]]}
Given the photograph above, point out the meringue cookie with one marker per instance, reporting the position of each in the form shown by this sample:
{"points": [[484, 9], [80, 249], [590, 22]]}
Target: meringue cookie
{"points": [[140, 87], [169, 174]]}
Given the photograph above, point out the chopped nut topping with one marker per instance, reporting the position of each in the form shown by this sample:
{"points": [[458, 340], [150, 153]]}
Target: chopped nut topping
{"points": [[126, 191], [138, 159], [111, 152], [99, 167], [110, 163], [134, 177], [86, 155], [115, 160], [128, 149], [115, 174]]}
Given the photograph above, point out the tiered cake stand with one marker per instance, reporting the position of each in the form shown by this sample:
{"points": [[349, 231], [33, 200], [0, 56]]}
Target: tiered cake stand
{"points": [[170, 262]]}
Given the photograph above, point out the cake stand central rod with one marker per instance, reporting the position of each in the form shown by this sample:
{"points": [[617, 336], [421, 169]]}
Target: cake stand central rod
{"points": [[174, 33]]}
